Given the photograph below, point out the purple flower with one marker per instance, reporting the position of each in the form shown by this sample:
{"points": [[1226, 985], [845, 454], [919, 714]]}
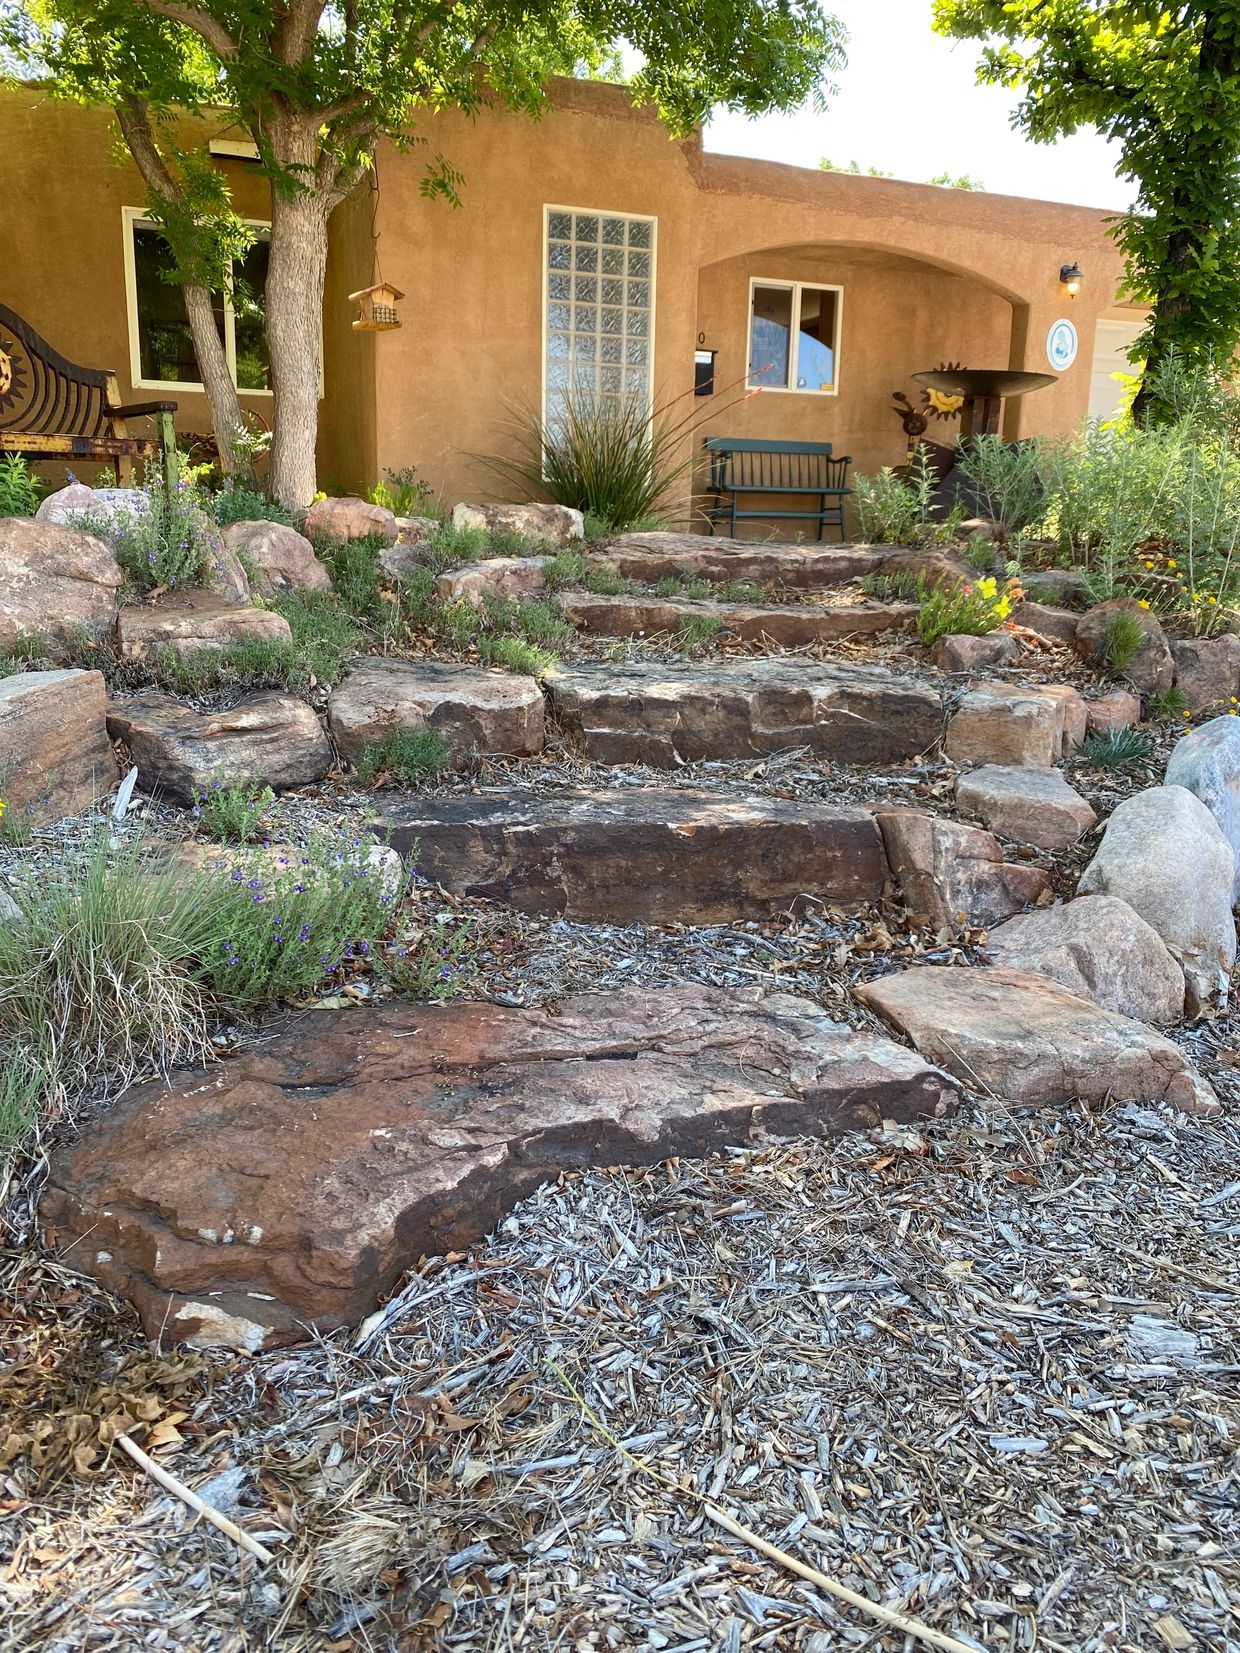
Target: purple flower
{"points": [[238, 877], [255, 884]]}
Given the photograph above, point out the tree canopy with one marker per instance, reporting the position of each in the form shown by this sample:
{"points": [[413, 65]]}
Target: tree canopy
{"points": [[1163, 81]]}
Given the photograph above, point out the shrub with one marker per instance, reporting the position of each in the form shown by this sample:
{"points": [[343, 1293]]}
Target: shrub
{"points": [[894, 510], [355, 572], [960, 609], [1117, 749], [439, 968], [252, 663], [1122, 640], [238, 502], [20, 490], [402, 493], [325, 635], [169, 545], [408, 755], [1006, 480], [233, 813]]}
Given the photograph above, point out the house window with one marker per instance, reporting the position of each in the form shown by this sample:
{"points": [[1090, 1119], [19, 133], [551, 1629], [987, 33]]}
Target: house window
{"points": [[794, 332], [599, 307], [161, 347]]}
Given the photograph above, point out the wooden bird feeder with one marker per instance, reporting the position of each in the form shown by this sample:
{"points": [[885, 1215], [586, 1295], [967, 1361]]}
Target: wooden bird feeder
{"points": [[376, 306]]}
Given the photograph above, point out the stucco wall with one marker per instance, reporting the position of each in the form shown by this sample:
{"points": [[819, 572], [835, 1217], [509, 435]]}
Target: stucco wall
{"points": [[348, 413]]}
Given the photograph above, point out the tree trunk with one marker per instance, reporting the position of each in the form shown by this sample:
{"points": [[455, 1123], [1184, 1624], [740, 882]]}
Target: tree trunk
{"points": [[227, 417], [296, 272]]}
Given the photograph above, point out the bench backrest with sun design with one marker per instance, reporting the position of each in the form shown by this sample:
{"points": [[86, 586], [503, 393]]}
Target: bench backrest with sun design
{"points": [[52, 409]]}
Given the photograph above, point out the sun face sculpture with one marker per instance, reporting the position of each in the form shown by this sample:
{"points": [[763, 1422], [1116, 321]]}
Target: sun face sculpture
{"points": [[937, 403], [12, 376]]}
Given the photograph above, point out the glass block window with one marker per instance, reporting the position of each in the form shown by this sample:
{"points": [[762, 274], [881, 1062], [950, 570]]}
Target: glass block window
{"points": [[600, 306]]}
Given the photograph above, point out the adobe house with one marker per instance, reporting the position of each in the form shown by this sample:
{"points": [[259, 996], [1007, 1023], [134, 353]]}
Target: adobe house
{"points": [[588, 243]]}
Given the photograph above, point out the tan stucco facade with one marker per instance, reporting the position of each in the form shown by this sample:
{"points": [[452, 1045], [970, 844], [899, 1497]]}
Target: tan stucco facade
{"points": [[926, 275]]}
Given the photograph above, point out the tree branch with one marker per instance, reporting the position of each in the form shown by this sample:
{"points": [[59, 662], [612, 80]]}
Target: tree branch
{"points": [[201, 23]]}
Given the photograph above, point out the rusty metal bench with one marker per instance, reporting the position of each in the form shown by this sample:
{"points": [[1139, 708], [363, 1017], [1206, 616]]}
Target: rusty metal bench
{"points": [[742, 468], [52, 409]]}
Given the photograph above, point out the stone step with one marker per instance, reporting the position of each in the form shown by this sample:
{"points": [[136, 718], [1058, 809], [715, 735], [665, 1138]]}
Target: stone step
{"points": [[641, 855], [197, 620], [718, 709], [664, 556], [474, 709], [788, 625], [291, 1188]]}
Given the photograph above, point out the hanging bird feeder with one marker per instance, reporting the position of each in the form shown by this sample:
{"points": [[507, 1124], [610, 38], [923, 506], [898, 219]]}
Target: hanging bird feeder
{"points": [[376, 306]]}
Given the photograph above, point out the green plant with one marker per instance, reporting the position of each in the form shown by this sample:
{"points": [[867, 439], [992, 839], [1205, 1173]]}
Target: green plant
{"points": [[1117, 749], [232, 813], [253, 663], [1122, 640], [325, 635], [697, 631], [20, 489], [25, 651], [401, 492], [239, 502], [1006, 481], [891, 587], [956, 609], [450, 547], [980, 555], [515, 654], [407, 755], [742, 591], [355, 572], [166, 543], [438, 967], [1167, 703], [682, 585]]}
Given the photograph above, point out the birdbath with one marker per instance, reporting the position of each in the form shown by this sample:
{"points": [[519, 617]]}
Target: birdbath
{"points": [[984, 392]]}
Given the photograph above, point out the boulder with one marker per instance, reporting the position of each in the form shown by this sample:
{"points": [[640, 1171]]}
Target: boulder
{"points": [[1207, 671], [55, 756], [264, 740], [1015, 725], [1025, 806], [1100, 947], [633, 712], [641, 855], [952, 874], [784, 625], [416, 530], [1026, 1041], [932, 565], [1152, 668], [1058, 587], [1117, 710], [475, 710], [1207, 764], [196, 620], [228, 578], [334, 519], [272, 860], [56, 581], [286, 1191], [652, 557], [102, 511], [553, 525], [975, 654], [281, 558], [1052, 625], [500, 579], [1164, 853]]}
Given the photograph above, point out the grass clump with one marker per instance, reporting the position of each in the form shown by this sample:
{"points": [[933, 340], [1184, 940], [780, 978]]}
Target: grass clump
{"points": [[23, 654], [1117, 749], [1122, 640], [682, 585], [697, 631], [516, 654], [1167, 703], [233, 813], [252, 663], [325, 635], [891, 587], [960, 609], [406, 755]]}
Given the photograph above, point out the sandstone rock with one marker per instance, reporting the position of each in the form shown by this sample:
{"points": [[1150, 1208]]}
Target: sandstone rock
{"points": [[1026, 806], [1073, 712], [503, 579], [1207, 763], [55, 758], [1117, 710], [54, 580], [288, 1189], [1165, 855], [1207, 671], [199, 854], [197, 620], [1151, 669], [283, 559], [1052, 625], [475, 710], [553, 525], [1027, 1041], [350, 519], [1015, 725], [101, 511], [228, 579], [1100, 947], [665, 715], [654, 557], [1058, 587], [952, 874], [402, 561], [932, 565], [975, 654], [264, 740], [785, 625], [415, 530], [640, 855]]}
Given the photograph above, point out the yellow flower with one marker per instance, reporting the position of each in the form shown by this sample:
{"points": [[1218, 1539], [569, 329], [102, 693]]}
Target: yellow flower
{"points": [[1196, 596], [1143, 602], [1188, 714], [1149, 565], [3, 806], [1211, 599], [1171, 563], [987, 587]]}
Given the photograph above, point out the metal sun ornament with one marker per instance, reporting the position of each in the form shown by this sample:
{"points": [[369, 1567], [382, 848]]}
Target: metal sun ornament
{"points": [[11, 375], [937, 403]]}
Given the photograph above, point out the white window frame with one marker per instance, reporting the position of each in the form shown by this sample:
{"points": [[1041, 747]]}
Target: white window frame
{"points": [[134, 218], [599, 212], [795, 288]]}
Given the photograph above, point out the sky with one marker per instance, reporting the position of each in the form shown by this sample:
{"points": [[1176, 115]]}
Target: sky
{"points": [[908, 103]]}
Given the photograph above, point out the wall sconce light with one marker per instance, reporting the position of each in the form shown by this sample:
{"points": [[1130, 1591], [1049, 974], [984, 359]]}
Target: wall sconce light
{"points": [[1071, 276]]}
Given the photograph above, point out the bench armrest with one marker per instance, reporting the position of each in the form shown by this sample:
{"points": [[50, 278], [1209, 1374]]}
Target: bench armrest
{"points": [[135, 410]]}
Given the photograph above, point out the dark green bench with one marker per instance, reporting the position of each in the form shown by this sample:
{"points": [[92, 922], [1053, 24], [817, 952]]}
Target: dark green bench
{"points": [[741, 468]]}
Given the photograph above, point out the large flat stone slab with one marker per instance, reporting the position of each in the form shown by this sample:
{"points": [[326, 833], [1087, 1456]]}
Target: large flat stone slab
{"points": [[1025, 805], [642, 856], [199, 620], [289, 1188], [663, 556], [787, 625], [265, 739], [665, 715], [475, 710], [55, 756], [1028, 1041]]}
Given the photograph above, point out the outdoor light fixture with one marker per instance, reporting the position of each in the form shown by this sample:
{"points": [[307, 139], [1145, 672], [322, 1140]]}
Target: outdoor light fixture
{"points": [[1070, 275]]}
